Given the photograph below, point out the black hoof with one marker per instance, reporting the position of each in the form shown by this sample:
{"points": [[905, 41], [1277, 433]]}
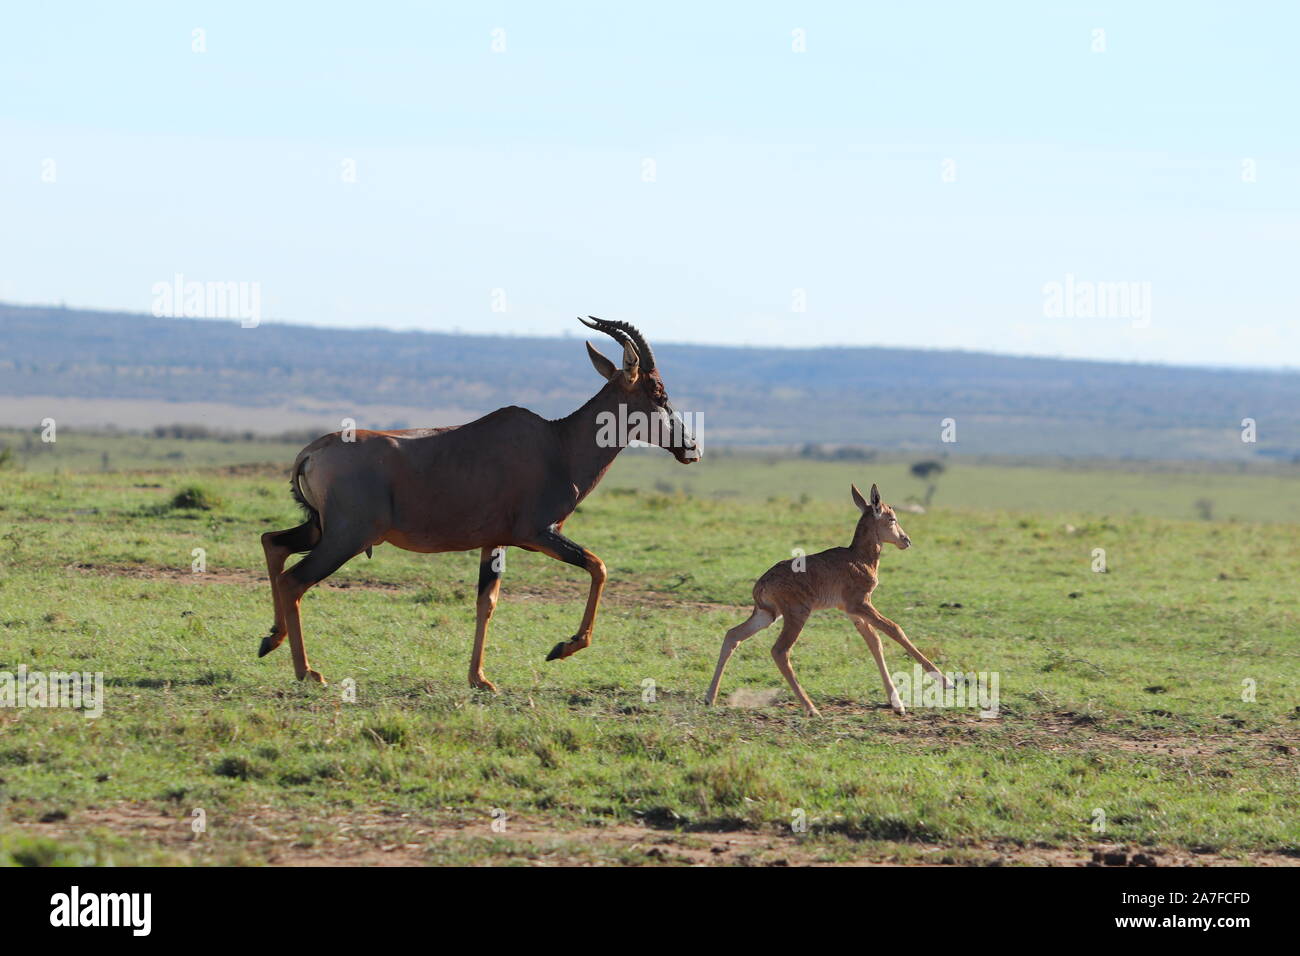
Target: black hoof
{"points": [[269, 643], [557, 651]]}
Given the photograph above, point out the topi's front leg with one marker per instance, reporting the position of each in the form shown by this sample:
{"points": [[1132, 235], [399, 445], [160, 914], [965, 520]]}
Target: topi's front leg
{"points": [[556, 545]]}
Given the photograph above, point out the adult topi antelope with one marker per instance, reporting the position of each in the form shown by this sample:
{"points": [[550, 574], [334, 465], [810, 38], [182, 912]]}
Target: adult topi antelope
{"points": [[511, 478], [840, 578]]}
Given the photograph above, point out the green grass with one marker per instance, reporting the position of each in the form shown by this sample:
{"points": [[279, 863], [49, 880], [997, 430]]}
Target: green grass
{"points": [[1258, 491], [1126, 696], [1057, 488], [74, 451]]}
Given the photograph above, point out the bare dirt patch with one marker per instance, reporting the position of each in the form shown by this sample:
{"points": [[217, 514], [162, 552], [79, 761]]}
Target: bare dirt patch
{"points": [[272, 836], [616, 593], [213, 576], [1058, 732]]}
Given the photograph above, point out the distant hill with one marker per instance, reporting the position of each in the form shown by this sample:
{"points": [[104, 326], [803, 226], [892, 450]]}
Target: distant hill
{"points": [[183, 370]]}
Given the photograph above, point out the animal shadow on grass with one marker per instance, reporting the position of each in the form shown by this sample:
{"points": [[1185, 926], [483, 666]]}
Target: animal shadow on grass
{"points": [[206, 679]]}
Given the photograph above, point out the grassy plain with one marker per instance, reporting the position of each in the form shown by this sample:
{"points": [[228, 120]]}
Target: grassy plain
{"points": [[1152, 707]]}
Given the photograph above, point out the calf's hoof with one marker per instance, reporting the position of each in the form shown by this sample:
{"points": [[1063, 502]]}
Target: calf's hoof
{"points": [[944, 680], [314, 676]]}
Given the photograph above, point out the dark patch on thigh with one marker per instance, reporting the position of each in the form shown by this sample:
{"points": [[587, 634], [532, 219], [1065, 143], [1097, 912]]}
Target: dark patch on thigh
{"points": [[487, 575], [570, 552], [296, 540]]}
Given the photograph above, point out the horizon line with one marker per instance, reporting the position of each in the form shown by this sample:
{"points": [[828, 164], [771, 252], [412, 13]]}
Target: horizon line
{"points": [[1024, 356]]}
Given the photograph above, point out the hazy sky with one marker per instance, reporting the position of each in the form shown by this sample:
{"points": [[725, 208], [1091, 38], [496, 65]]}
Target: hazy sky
{"points": [[915, 177]]}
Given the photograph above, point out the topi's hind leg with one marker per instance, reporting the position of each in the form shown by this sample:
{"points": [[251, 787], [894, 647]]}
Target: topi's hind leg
{"points": [[334, 551], [743, 631], [489, 586], [278, 545]]}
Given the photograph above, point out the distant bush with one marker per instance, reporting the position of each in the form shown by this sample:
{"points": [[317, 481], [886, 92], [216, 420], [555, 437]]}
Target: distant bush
{"points": [[927, 470], [195, 497], [296, 436], [836, 452], [186, 432], [238, 768], [22, 850]]}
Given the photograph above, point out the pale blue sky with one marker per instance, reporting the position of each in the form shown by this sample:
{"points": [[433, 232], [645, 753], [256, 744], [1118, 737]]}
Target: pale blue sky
{"points": [[775, 170]]}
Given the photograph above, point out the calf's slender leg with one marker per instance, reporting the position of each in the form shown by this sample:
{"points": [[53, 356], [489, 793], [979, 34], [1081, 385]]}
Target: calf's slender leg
{"points": [[879, 620], [758, 620], [794, 622], [489, 586], [873, 644]]}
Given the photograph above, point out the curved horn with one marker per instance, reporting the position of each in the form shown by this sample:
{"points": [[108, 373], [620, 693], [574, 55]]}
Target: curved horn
{"points": [[622, 331], [631, 357], [618, 335]]}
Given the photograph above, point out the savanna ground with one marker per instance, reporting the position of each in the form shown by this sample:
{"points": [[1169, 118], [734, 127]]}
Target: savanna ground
{"points": [[1126, 723]]}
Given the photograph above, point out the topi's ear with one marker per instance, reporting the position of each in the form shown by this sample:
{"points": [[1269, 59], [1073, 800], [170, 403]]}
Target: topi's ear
{"points": [[602, 365], [857, 499], [876, 504]]}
